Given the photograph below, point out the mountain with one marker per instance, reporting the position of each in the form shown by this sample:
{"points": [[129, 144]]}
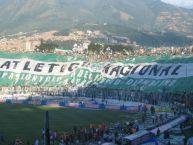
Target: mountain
{"points": [[180, 3], [140, 15]]}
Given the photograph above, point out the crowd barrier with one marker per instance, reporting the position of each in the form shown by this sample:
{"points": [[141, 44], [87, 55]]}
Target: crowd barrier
{"points": [[96, 105], [86, 104]]}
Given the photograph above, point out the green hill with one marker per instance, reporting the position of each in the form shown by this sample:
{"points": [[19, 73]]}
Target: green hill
{"points": [[26, 15], [139, 17]]}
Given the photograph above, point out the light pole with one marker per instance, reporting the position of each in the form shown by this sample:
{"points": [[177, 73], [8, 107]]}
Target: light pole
{"points": [[46, 129], [186, 98]]}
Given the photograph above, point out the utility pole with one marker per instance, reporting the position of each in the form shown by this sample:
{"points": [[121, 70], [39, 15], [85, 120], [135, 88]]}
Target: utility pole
{"points": [[46, 129]]}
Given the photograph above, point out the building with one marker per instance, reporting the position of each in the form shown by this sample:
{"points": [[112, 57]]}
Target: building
{"points": [[81, 48], [62, 51], [30, 45]]}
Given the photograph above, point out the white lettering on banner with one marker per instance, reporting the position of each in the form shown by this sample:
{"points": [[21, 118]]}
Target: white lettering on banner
{"points": [[34, 78], [4, 75], [11, 76], [80, 74], [147, 83], [129, 82]]}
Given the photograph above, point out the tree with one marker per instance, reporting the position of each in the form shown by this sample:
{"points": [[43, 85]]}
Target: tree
{"points": [[46, 47], [98, 48]]}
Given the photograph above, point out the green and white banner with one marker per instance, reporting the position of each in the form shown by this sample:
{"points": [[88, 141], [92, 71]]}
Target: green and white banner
{"points": [[144, 73]]}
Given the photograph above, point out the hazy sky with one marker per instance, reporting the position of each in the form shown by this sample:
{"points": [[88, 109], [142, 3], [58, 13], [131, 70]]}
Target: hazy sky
{"points": [[181, 3]]}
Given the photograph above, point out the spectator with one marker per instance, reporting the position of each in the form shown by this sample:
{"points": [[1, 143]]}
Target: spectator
{"points": [[152, 110], [158, 132], [36, 142], [1, 138]]}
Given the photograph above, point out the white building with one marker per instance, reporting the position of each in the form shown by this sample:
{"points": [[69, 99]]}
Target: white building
{"points": [[89, 33], [30, 45], [81, 48]]}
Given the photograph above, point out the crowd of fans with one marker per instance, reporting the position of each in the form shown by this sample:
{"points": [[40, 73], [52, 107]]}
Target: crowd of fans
{"points": [[167, 51], [94, 134], [141, 51]]}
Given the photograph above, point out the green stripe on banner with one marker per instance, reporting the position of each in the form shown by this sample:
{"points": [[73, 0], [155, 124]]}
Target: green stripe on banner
{"points": [[153, 73]]}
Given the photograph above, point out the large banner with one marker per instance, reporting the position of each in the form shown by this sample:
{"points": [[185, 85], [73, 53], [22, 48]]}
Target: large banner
{"points": [[151, 75]]}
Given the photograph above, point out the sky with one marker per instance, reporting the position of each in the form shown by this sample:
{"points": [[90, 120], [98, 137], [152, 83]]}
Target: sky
{"points": [[180, 3]]}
